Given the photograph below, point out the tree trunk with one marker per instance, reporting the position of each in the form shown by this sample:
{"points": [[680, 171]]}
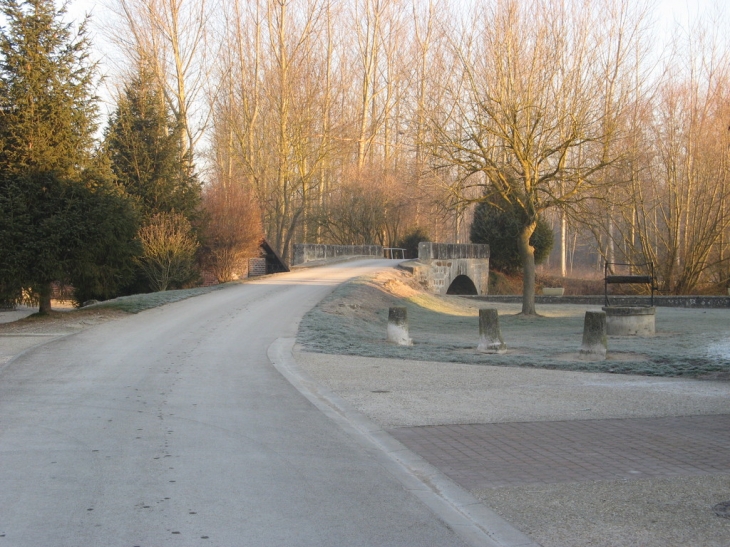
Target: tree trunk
{"points": [[610, 245], [563, 245], [527, 254], [44, 298]]}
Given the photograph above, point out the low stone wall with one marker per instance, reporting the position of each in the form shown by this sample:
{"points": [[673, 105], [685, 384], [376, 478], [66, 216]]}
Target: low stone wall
{"points": [[309, 252], [595, 300]]}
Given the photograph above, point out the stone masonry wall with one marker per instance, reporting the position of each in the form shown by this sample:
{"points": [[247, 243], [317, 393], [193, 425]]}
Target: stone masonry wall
{"points": [[438, 275], [256, 267], [441, 263], [622, 300]]}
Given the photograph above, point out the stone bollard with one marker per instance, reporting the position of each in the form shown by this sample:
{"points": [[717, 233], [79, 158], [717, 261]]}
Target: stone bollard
{"points": [[398, 326], [594, 335], [490, 337]]}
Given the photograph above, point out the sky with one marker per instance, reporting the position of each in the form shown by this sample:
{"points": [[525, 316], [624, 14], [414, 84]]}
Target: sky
{"points": [[668, 12]]}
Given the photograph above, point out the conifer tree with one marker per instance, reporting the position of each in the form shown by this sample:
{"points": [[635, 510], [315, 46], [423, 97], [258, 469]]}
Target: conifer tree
{"points": [[499, 227], [50, 196], [144, 143]]}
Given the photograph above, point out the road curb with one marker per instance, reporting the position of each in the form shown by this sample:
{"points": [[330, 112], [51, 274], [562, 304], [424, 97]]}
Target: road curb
{"points": [[475, 523]]}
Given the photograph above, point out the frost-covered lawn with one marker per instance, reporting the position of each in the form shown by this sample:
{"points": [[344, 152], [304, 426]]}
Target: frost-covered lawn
{"points": [[140, 302], [353, 321]]}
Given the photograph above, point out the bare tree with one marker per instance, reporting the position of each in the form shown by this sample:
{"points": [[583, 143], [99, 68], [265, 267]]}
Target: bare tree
{"points": [[277, 108], [533, 115], [681, 203], [170, 37], [168, 250], [545, 103], [232, 232], [370, 209], [672, 212]]}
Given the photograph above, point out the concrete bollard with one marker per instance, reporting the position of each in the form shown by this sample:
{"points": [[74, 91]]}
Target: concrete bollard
{"points": [[595, 343], [490, 337], [398, 326]]}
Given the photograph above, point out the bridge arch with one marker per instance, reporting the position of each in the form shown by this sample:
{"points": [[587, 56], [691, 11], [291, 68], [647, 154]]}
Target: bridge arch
{"points": [[462, 285], [453, 269]]}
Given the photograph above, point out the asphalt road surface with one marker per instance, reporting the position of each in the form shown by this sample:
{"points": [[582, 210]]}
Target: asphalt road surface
{"points": [[171, 427]]}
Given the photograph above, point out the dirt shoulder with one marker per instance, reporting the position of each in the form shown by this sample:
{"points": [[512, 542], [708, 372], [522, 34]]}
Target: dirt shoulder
{"points": [[60, 321], [20, 332]]}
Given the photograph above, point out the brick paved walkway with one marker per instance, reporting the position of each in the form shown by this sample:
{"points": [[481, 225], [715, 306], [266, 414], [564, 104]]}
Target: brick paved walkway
{"points": [[507, 454]]}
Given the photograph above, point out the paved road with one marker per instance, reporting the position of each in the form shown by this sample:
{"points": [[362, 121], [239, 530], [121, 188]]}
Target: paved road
{"points": [[171, 427]]}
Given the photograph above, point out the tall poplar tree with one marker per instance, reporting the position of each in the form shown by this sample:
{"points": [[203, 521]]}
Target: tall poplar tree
{"points": [[53, 190]]}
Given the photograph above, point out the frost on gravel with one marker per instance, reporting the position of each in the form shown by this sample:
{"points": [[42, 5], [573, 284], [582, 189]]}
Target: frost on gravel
{"points": [[353, 321]]}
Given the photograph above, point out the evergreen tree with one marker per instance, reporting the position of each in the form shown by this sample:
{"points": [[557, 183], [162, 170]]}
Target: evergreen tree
{"points": [[499, 226], [47, 108], [49, 193], [102, 258], [144, 143], [410, 241]]}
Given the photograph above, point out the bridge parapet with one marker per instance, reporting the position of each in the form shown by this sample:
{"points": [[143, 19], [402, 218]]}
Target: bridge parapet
{"points": [[445, 251], [449, 268]]}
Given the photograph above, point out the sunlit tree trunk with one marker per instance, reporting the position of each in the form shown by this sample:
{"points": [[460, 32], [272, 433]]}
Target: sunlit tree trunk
{"points": [[527, 254], [563, 245]]}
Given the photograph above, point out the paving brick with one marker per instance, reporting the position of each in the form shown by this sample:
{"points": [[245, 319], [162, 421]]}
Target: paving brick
{"points": [[492, 455]]}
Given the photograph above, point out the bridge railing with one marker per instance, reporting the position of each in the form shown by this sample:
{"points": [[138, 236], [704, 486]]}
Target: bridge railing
{"points": [[309, 252]]}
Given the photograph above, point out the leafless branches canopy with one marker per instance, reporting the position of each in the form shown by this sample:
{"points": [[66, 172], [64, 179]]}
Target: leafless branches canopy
{"points": [[404, 113], [168, 251]]}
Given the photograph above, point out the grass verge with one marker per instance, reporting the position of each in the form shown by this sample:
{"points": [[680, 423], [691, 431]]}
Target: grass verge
{"points": [[353, 321], [139, 302]]}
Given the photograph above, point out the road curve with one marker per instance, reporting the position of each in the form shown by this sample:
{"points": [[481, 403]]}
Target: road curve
{"points": [[171, 427]]}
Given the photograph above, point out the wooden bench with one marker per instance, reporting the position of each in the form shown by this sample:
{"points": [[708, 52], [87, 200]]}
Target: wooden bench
{"points": [[614, 279]]}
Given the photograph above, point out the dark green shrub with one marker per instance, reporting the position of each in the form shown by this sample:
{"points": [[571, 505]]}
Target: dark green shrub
{"points": [[500, 228], [410, 241]]}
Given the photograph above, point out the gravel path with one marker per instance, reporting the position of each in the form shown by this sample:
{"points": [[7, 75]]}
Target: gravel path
{"points": [[430, 393]]}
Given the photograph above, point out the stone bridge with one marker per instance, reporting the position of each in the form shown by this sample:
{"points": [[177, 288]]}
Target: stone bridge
{"points": [[447, 268]]}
